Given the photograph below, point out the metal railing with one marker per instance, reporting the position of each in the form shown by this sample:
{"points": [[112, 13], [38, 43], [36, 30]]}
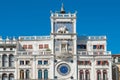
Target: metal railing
{"points": [[34, 52], [93, 52], [92, 38], [30, 38], [63, 15]]}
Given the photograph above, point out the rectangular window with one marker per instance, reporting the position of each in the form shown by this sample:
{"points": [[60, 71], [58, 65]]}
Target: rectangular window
{"points": [[81, 46], [80, 62], [86, 62], [40, 46], [101, 46], [89, 62], [98, 62], [11, 49], [46, 46], [104, 62], [94, 46], [107, 63], [4, 49], [21, 62], [30, 47], [118, 59], [27, 62], [39, 62], [98, 46], [45, 62], [24, 46]]}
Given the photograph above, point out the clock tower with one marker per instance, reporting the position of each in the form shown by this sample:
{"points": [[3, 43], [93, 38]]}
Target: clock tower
{"points": [[63, 34]]}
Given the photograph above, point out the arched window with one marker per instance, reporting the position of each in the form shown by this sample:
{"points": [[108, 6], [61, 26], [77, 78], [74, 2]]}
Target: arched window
{"points": [[81, 75], [39, 74], [27, 74], [104, 75], [11, 77], [4, 60], [45, 74], [11, 60], [4, 77], [21, 74], [98, 75], [87, 75]]}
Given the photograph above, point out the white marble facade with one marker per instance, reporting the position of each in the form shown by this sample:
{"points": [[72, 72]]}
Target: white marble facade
{"points": [[61, 56]]}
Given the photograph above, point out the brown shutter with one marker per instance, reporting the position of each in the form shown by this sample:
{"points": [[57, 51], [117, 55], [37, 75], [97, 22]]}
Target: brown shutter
{"points": [[30, 47], [24, 46], [41, 46], [46, 46]]}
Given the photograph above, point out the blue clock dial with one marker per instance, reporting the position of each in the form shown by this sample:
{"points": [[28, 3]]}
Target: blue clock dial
{"points": [[63, 69]]}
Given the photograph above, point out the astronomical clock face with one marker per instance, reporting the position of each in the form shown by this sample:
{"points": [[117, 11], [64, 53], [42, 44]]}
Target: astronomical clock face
{"points": [[63, 27], [63, 69]]}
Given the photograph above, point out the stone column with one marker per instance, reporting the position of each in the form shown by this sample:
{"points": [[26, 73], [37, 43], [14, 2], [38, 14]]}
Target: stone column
{"points": [[110, 70], [74, 25], [0, 76], [84, 74], [101, 74], [24, 74], [16, 74], [117, 73], [7, 61], [42, 73], [93, 71], [34, 68]]}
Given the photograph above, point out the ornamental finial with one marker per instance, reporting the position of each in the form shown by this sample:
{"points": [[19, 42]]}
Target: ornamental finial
{"points": [[62, 9]]}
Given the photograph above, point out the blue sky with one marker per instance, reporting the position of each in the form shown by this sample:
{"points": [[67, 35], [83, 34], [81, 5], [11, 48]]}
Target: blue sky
{"points": [[32, 17]]}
